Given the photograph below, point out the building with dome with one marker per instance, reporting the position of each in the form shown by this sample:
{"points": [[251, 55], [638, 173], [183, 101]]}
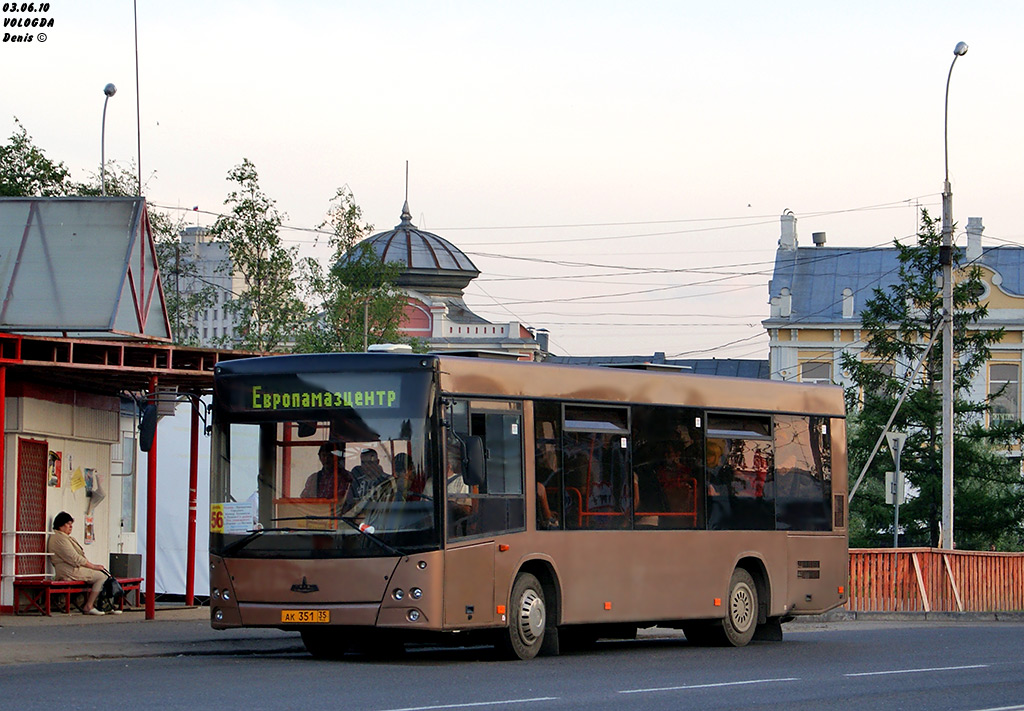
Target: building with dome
{"points": [[435, 276]]}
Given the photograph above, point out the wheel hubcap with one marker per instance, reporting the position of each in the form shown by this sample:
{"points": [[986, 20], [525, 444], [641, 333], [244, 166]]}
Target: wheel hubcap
{"points": [[531, 616], [741, 608]]}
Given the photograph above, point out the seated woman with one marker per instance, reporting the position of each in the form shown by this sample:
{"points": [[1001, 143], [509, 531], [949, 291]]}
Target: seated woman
{"points": [[70, 563]]}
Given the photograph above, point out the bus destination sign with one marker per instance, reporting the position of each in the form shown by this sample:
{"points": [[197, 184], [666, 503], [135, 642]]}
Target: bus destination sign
{"points": [[262, 399], [321, 391]]}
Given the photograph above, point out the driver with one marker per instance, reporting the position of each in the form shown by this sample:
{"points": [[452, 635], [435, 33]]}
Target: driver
{"points": [[366, 477]]}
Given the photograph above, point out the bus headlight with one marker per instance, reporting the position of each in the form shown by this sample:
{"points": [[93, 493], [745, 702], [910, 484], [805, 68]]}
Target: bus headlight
{"points": [[226, 595], [398, 593], [416, 593], [413, 615], [218, 615]]}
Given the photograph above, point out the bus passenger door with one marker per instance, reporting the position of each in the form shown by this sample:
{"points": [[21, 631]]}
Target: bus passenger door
{"points": [[469, 585]]}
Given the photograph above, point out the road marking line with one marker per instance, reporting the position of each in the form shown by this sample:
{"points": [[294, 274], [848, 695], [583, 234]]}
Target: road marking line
{"points": [[915, 671], [1004, 708], [709, 686], [476, 703]]}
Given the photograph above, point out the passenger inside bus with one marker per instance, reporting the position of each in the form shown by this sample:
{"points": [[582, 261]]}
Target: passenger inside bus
{"points": [[331, 481], [601, 491], [404, 478], [458, 492], [547, 476]]}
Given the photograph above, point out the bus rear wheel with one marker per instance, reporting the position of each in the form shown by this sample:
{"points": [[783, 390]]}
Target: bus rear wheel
{"points": [[527, 619], [740, 619]]}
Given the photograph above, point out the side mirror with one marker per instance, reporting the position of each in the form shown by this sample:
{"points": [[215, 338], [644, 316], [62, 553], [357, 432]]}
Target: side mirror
{"points": [[474, 470], [147, 427]]}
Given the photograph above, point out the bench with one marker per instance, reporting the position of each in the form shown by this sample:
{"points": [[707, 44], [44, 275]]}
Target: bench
{"points": [[39, 592]]}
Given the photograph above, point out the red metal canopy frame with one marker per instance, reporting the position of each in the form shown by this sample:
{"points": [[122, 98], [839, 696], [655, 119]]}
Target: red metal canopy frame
{"points": [[115, 369]]}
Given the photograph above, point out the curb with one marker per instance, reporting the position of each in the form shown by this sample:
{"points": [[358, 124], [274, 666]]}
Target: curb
{"points": [[897, 616]]}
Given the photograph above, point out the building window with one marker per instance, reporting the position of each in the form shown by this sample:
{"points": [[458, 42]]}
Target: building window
{"points": [[816, 372], [1004, 392], [128, 483]]}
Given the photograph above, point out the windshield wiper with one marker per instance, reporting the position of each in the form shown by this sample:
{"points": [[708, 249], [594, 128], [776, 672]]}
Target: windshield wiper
{"points": [[364, 530], [252, 536]]}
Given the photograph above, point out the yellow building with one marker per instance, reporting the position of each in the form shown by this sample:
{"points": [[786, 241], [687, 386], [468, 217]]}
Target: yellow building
{"points": [[817, 294]]}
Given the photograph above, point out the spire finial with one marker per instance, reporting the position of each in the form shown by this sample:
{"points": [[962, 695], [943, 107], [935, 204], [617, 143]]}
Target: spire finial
{"points": [[406, 215]]}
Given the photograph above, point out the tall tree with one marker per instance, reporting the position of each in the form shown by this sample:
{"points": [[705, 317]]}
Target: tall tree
{"points": [[267, 310], [900, 322], [355, 298], [25, 171]]}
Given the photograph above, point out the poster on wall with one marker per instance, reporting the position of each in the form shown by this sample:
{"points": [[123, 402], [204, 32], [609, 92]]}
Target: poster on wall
{"points": [[54, 465], [90, 530], [77, 480], [93, 489]]}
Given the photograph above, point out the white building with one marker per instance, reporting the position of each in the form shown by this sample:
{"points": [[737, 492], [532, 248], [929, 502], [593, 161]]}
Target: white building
{"points": [[215, 325]]}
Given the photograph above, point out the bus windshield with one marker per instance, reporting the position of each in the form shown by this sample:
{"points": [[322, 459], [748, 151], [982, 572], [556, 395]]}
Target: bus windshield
{"points": [[343, 476]]}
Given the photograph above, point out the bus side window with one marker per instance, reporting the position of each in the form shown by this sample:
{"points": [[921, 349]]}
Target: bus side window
{"points": [[669, 463], [741, 473], [803, 473], [496, 504]]}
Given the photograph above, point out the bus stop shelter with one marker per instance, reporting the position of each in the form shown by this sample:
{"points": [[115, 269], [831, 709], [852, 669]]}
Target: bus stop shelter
{"points": [[84, 316]]}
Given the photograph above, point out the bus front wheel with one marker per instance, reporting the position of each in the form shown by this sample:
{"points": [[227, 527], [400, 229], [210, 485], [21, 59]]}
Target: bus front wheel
{"points": [[740, 620], [324, 642], [527, 619]]}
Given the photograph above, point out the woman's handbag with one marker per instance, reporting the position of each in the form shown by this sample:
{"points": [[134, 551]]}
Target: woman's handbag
{"points": [[111, 593]]}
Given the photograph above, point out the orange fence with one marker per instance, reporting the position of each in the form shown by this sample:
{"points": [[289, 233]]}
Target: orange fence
{"points": [[934, 580]]}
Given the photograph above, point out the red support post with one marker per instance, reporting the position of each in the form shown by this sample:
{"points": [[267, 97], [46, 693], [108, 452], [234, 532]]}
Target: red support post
{"points": [[3, 451], [193, 486], [151, 516]]}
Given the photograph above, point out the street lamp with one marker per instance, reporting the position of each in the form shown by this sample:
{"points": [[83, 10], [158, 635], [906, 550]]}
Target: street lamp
{"points": [[946, 260], [109, 91]]}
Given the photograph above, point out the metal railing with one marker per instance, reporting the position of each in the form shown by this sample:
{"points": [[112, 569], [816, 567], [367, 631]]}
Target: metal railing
{"points": [[11, 556], [935, 580]]}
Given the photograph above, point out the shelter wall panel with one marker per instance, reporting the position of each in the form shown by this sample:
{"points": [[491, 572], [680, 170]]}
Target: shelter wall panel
{"points": [[47, 417], [12, 421], [97, 425]]}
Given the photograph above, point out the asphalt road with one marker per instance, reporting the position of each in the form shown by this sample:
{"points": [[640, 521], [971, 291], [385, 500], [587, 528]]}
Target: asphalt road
{"points": [[905, 666]]}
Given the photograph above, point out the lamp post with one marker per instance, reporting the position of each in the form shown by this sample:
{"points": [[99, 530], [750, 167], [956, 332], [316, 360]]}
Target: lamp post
{"points": [[946, 260], [109, 90]]}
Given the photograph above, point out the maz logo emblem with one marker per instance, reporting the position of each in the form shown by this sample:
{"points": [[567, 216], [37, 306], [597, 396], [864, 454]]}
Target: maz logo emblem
{"points": [[304, 587]]}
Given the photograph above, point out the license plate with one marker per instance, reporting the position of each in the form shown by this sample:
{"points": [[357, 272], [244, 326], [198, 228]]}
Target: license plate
{"points": [[306, 616]]}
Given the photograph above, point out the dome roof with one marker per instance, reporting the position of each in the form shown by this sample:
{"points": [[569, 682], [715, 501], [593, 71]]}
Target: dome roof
{"points": [[432, 263]]}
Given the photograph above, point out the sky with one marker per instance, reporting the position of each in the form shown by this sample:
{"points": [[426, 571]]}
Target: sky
{"points": [[616, 170]]}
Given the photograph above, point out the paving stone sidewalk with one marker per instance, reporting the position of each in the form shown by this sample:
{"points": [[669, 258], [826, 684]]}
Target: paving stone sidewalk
{"points": [[27, 639]]}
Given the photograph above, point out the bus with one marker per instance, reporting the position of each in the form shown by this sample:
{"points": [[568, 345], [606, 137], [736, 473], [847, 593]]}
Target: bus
{"points": [[372, 499]]}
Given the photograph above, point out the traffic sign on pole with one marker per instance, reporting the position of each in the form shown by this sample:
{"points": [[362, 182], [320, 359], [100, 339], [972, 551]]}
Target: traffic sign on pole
{"points": [[894, 482]]}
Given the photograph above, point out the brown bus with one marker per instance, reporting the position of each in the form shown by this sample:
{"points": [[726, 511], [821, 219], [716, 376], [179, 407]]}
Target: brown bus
{"points": [[365, 499]]}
